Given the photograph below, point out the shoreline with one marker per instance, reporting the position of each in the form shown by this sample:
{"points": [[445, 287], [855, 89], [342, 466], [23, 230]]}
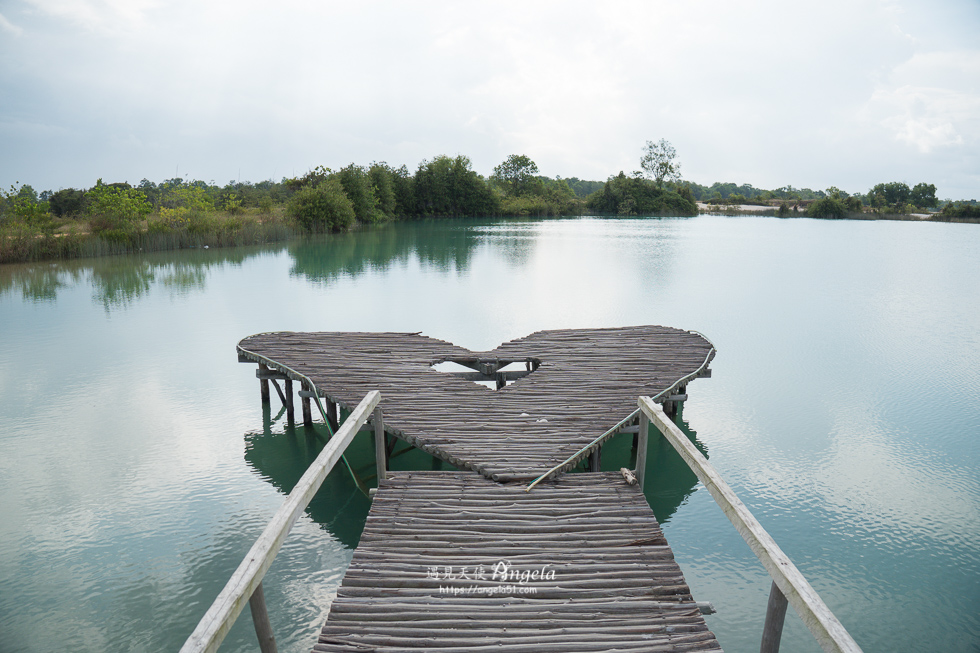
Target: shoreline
{"points": [[61, 246]]}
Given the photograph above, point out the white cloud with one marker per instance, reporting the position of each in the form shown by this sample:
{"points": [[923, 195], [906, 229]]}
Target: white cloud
{"points": [[7, 26], [101, 15], [931, 101]]}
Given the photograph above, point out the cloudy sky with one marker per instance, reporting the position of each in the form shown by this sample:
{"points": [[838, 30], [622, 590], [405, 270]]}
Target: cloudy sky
{"points": [[812, 94]]}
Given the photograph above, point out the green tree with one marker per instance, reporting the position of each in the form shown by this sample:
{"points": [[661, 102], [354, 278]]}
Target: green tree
{"points": [[22, 205], [924, 195], [893, 193], [447, 187], [624, 195], [659, 162], [356, 183], [828, 207], [115, 202], [66, 202], [516, 174], [323, 207], [383, 182]]}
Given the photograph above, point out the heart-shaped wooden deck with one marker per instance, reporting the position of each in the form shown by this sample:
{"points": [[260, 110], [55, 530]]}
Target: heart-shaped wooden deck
{"points": [[584, 382]]}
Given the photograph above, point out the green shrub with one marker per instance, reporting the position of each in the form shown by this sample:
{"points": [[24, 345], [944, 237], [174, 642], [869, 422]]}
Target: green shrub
{"points": [[622, 195], [828, 207], [961, 210], [115, 203], [323, 207], [67, 202]]}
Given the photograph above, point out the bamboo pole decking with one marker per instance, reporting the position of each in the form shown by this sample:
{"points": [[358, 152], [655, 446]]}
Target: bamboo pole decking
{"points": [[583, 381], [453, 562], [464, 561]]}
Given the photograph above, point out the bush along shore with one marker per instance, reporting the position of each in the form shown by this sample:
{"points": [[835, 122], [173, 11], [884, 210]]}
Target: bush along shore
{"points": [[117, 218]]}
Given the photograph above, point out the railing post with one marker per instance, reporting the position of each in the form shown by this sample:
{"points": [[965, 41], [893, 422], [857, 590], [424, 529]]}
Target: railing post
{"points": [[260, 618], [290, 415], [772, 632], [264, 383], [307, 412], [595, 459], [332, 415], [643, 437], [380, 446]]}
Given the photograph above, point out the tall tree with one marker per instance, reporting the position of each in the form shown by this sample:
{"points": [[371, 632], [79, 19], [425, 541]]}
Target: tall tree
{"points": [[659, 162], [516, 174], [923, 195]]}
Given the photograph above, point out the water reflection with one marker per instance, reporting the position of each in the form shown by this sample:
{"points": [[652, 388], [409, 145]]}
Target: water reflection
{"points": [[669, 481], [119, 281], [445, 245], [283, 457]]}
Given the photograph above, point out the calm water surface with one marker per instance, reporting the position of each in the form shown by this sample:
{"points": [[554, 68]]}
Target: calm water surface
{"points": [[137, 465]]}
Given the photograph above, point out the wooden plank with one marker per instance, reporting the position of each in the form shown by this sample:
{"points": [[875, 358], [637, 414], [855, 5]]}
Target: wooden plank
{"points": [[825, 627], [216, 623]]}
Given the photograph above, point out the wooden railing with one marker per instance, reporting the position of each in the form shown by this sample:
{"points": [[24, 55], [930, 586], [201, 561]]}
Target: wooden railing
{"points": [[788, 584], [246, 583]]}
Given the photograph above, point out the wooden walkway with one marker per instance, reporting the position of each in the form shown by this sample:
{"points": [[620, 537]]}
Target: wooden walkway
{"points": [[576, 384], [470, 562], [451, 561]]}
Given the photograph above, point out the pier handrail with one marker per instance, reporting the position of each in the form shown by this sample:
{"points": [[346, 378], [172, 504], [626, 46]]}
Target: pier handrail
{"points": [[597, 442], [789, 584], [247, 579]]}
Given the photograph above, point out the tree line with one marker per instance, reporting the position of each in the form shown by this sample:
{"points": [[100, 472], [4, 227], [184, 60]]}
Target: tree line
{"points": [[177, 212]]}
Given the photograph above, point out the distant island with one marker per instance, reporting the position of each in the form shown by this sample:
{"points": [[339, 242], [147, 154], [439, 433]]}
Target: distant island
{"points": [[111, 218]]}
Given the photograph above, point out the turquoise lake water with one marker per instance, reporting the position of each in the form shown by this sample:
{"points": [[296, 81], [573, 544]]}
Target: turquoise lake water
{"points": [[137, 466]]}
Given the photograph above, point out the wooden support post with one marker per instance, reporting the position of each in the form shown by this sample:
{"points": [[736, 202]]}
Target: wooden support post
{"points": [[595, 459], [307, 412], [772, 632], [332, 416], [641, 449], [290, 413], [260, 618], [264, 383], [380, 445]]}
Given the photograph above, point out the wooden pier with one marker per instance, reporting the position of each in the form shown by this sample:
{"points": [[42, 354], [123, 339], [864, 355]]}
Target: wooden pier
{"points": [[575, 384], [452, 561], [510, 553]]}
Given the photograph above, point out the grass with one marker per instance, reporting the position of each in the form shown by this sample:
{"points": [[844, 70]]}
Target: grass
{"points": [[68, 239]]}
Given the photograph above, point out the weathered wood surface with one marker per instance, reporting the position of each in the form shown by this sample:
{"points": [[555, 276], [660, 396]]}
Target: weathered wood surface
{"points": [[615, 585], [584, 381]]}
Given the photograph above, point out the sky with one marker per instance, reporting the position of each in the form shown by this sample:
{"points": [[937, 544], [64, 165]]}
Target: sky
{"points": [[845, 93]]}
